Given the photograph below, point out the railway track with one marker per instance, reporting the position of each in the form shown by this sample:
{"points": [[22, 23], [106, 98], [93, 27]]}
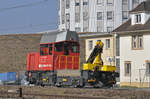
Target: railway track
{"points": [[16, 95], [47, 92]]}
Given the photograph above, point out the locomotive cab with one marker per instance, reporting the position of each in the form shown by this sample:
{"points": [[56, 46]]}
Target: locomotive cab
{"points": [[56, 56]]}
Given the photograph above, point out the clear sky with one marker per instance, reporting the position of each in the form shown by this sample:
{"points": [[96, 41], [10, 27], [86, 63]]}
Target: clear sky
{"points": [[28, 16]]}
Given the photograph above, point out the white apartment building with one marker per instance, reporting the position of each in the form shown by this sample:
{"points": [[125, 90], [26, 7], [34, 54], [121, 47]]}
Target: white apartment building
{"points": [[94, 15]]}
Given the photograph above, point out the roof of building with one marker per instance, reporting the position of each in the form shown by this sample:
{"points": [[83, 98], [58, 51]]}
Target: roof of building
{"points": [[57, 36], [144, 6], [93, 34], [127, 27]]}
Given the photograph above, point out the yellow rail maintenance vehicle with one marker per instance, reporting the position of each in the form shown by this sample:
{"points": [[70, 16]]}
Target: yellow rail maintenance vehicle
{"points": [[97, 74]]}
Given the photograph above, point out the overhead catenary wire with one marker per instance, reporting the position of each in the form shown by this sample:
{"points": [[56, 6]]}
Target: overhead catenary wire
{"points": [[23, 5]]}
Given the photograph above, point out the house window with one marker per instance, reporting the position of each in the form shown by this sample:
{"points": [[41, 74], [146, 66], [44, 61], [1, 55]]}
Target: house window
{"points": [[110, 2], [99, 16], [107, 43], [148, 67], [67, 4], [125, 15], [127, 68], [109, 15], [90, 45], [137, 42], [140, 41], [138, 18], [134, 41]]}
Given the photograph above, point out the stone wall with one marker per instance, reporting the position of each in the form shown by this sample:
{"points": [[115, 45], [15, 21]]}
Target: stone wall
{"points": [[14, 49]]}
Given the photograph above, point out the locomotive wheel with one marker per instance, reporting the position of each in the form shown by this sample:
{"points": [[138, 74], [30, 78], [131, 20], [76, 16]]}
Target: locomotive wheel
{"points": [[99, 84]]}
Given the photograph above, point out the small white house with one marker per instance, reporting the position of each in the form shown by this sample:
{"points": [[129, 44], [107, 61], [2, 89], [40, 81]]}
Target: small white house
{"points": [[134, 45]]}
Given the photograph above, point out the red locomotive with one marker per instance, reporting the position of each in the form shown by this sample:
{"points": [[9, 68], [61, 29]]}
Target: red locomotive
{"points": [[58, 51]]}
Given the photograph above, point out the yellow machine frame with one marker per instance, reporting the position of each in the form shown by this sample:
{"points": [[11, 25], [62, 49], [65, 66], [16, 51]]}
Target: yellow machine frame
{"points": [[98, 62]]}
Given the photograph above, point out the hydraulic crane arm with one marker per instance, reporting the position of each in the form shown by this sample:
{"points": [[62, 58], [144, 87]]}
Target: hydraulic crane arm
{"points": [[96, 54]]}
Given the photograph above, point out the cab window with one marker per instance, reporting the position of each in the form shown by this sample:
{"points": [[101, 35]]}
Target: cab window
{"points": [[50, 49], [59, 47], [74, 48], [66, 48], [44, 49]]}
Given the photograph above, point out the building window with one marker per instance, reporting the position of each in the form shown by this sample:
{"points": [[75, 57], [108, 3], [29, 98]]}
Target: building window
{"points": [[148, 67], [99, 15], [134, 41], [77, 11], [110, 2], [135, 3], [67, 17], [77, 4], [77, 17], [67, 4], [99, 1], [124, 2], [138, 18], [67, 20], [109, 15], [85, 15], [137, 42], [140, 41], [107, 43], [117, 45], [127, 68], [109, 29], [63, 12], [90, 45], [85, 3], [125, 15], [63, 19], [98, 40], [78, 29]]}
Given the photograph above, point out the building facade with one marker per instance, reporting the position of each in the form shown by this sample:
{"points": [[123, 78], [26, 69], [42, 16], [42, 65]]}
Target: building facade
{"points": [[134, 37], [94, 15], [90, 39]]}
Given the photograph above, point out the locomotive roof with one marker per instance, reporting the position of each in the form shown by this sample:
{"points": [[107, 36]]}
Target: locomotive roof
{"points": [[58, 36]]}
